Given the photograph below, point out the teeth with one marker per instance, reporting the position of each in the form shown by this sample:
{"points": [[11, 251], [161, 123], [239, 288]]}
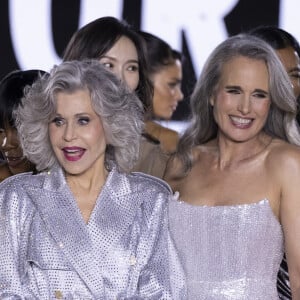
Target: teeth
{"points": [[240, 120], [72, 151]]}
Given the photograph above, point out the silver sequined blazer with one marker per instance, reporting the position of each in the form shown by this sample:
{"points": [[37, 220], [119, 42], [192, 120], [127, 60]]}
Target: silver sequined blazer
{"points": [[47, 251]]}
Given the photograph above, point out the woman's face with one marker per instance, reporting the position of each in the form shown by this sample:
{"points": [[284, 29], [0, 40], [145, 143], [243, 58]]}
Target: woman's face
{"points": [[122, 60], [12, 152], [290, 60], [167, 90], [242, 100], [76, 134]]}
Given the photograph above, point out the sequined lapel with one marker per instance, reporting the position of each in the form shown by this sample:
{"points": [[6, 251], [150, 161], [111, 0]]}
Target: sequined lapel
{"points": [[117, 206], [63, 220]]}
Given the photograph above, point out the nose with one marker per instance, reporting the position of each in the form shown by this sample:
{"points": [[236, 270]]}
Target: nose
{"points": [[69, 133], [179, 95], [119, 73], [244, 105], [123, 76]]}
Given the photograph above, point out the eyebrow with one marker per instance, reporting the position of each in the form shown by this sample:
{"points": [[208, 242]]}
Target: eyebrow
{"points": [[239, 88], [295, 69], [236, 87], [176, 79], [114, 58], [76, 115], [261, 91]]}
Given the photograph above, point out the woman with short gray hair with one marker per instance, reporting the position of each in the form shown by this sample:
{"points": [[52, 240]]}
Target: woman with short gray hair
{"points": [[83, 227]]}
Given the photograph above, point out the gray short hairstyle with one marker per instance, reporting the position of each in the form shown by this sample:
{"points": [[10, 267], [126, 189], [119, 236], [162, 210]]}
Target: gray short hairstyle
{"points": [[281, 122], [120, 111]]}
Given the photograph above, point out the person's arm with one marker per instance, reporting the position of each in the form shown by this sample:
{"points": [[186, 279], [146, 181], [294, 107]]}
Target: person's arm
{"points": [[10, 253], [290, 216], [156, 277]]}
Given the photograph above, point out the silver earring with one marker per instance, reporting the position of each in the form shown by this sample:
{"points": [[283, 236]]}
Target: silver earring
{"points": [[4, 142]]}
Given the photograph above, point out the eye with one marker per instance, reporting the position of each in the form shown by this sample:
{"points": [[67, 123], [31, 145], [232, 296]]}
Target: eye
{"points": [[233, 91], [295, 75], [133, 68], [83, 120], [58, 121], [260, 95], [108, 65], [2, 131], [173, 85]]}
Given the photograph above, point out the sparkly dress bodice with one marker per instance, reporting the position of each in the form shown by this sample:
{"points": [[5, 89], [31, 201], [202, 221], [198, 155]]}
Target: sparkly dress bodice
{"points": [[228, 252]]}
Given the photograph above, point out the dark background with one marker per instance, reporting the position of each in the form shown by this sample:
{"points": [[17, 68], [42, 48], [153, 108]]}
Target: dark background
{"points": [[244, 16]]}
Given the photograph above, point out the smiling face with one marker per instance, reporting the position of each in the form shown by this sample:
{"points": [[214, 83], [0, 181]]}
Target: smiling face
{"points": [[76, 134], [122, 60], [291, 62], [167, 90], [241, 102], [12, 152]]}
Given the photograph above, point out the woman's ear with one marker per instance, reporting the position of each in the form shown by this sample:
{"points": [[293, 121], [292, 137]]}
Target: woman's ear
{"points": [[212, 100]]}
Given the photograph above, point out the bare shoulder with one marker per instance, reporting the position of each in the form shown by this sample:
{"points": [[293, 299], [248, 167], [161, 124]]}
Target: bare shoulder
{"points": [[174, 168], [284, 157]]}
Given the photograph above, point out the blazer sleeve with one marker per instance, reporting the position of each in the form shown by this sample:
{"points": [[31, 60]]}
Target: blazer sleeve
{"points": [[13, 223], [159, 260]]}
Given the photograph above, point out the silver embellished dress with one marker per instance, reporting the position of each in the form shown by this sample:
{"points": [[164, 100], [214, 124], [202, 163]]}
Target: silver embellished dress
{"points": [[47, 251], [228, 252]]}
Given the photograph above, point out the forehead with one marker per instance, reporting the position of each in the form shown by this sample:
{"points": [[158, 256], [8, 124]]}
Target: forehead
{"points": [[171, 69], [244, 70], [123, 47], [289, 57], [73, 102]]}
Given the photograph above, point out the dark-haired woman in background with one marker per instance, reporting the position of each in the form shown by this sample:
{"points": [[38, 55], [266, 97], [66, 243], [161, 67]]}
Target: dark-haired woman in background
{"points": [[118, 47], [287, 48], [165, 72], [11, 92]]}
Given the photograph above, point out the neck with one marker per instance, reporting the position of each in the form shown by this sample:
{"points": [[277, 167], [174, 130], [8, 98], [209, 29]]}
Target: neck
{"points": [[92, 181], [234, 153]]}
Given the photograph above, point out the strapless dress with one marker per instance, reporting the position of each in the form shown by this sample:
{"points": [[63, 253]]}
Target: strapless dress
{"points": [[228, 252]]}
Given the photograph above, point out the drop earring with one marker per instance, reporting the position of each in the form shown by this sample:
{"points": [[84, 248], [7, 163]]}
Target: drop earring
{"points": [[4, 142]]}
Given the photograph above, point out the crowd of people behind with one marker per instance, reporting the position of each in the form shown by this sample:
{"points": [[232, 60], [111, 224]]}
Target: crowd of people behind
{"points": [[99, 201]]}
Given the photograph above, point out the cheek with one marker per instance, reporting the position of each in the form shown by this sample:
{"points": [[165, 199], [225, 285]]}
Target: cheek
{"points": [[133, 82], [53, 134], [97, 137], [296, 87], [223, 103], [162, 91], [263, 108]]}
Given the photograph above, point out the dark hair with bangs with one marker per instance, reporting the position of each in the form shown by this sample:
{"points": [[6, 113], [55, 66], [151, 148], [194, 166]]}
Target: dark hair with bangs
{"points": [[11, 92], [97, 37]]}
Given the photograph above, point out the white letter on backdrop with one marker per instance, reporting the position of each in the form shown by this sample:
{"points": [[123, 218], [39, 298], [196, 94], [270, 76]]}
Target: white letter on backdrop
{"points": [[202, 21]]}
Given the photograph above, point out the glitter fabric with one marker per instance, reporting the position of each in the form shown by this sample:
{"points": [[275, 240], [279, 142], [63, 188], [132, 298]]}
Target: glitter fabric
{"points": [[47, 251], [228, 252]]}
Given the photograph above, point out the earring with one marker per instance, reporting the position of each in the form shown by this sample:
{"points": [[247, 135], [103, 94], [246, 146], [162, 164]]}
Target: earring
{"points": [[4, 142]]}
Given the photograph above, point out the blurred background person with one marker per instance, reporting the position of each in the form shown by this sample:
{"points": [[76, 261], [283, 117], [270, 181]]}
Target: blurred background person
{"points": [[165, 72], [118, 47], [11, 92], [288, 50]]}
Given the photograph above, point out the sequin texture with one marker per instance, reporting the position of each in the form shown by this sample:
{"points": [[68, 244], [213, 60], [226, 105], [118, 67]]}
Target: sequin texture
{"points": [[48, 251], [228, 252]]}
